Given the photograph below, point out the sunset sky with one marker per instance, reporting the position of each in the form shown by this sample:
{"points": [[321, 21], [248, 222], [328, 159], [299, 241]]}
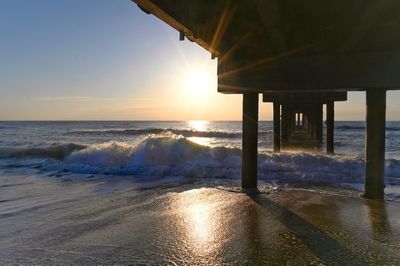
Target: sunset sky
{"points": [[107, 60]]}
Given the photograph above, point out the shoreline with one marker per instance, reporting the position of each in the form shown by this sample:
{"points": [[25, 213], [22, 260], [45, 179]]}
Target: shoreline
{"points": [[81, 223]]}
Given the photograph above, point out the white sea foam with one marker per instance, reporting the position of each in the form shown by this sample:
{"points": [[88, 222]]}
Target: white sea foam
{"points": [[169, 157], [157, 131], [155, 154], [156, 157]]}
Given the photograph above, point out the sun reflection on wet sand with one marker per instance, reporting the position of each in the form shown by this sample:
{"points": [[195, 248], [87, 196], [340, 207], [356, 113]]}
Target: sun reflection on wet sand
{"points": [[201, 222]]}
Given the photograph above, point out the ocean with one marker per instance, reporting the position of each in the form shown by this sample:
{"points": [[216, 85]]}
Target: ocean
{"points": [[168, 193], [151, 154]]}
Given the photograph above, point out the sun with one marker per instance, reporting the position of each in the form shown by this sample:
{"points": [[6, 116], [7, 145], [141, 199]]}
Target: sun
{"points": [[198, 82]]}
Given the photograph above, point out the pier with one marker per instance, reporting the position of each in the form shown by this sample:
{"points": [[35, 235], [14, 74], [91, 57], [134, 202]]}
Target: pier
{"points": [[298, 119], [301, 57]]}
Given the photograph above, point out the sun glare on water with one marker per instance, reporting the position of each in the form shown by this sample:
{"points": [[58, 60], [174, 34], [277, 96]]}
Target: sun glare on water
{"points": [[198, 125]]}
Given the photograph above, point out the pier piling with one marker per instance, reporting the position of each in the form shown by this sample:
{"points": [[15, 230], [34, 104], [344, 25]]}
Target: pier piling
{"points": [[277, 126], [318, 123], [330, 125], [285, 123], [250, 140], [375, 144]]}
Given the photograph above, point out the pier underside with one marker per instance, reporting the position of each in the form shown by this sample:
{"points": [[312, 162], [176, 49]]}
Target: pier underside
{"points": [[298, 119], [302, 56]]}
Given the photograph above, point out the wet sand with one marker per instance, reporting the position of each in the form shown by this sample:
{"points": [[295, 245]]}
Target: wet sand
{"points": [[47, 222]]}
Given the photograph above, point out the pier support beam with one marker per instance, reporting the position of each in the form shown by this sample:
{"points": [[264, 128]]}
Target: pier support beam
{"points": [[277, 127], [312, 125], [330, 125], [318, 123], [285, 123], [293, 122], [375, 144], [308, 122], [250, 140]]}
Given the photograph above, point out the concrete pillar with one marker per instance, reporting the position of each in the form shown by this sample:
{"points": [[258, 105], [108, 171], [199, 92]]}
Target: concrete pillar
{"points": [[330, 125], [250, 140], [305, 126], [285, 123], [312, 125], [293, 117], [318, 122], [277, 127], [291, 120], [375, 144], [308, 122]]}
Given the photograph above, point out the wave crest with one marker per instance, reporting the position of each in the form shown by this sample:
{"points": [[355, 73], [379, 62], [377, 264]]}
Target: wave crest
{"points": [[160, 157], [159, 131], [167, 157], [154, 156], [56, 151]]}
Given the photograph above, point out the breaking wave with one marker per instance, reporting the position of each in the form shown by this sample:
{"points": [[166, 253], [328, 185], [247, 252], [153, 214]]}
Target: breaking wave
{"points": [[171, 157], [158, 131], [55, 151]]}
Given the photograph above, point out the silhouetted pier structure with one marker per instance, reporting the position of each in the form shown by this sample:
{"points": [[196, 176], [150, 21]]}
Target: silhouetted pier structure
{"points": [[302, 113], [283, 47]]}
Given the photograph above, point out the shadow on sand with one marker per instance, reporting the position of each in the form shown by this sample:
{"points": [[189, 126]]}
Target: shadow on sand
{"points": [[327, 249]]}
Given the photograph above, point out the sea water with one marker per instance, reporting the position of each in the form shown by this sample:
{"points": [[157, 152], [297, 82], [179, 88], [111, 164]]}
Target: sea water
{"points": [[164, 153]]}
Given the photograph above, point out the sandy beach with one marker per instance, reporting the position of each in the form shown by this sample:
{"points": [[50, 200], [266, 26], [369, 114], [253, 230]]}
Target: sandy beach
{"points": [[97, 222]]}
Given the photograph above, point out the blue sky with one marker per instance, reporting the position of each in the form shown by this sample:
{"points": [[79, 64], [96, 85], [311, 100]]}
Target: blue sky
{"points": [[102, 59]]}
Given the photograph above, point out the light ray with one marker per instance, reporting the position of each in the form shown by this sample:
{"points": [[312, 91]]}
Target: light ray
{"points": [[223, 23], [266, 60], [242, 40]]}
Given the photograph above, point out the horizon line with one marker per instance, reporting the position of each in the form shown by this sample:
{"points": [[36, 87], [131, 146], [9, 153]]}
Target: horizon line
{"points": [[147, 120]]}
